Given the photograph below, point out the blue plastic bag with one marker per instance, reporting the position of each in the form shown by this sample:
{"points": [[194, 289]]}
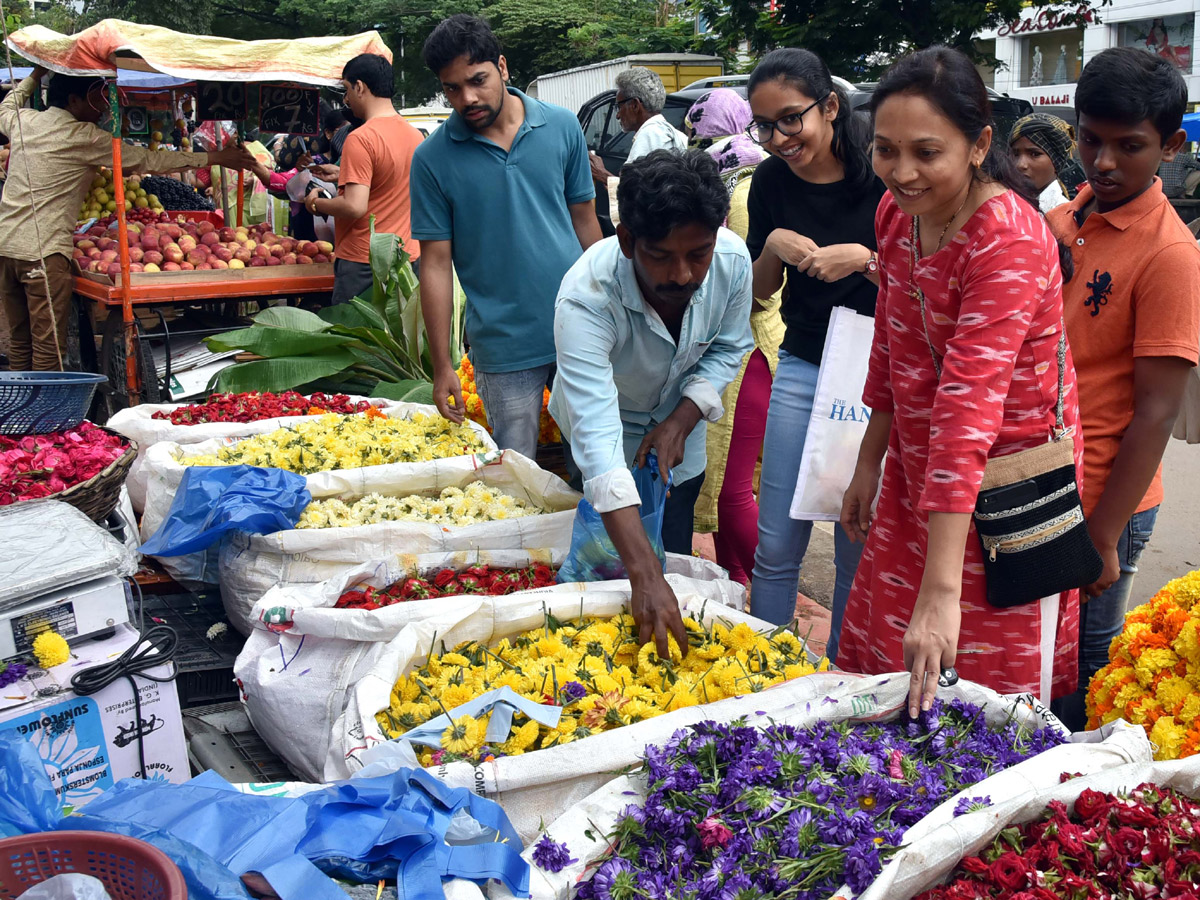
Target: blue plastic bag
{"points": [[593, 556], [214, 500]]}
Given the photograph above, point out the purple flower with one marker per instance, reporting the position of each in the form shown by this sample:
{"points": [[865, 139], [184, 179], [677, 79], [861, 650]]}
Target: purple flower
{"points": [[862, 865], [614, 880], [551, 856], [573, 691], [11, 673], [971, 804]]}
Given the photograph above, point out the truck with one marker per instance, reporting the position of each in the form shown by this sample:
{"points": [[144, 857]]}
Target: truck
{"points": [[572, 88]]}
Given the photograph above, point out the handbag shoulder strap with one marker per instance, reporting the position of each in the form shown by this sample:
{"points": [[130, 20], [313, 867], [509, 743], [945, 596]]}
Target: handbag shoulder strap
{"points": [[1061, 354]]}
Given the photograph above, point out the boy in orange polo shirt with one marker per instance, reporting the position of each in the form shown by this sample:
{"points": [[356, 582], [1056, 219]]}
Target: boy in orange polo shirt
{"points": [[1132, 312]]}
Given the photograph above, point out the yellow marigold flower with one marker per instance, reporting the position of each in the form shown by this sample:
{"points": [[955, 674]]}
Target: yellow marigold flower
{"points": [[1167, 738], [679, 699], [1172, 692], [1151, 663], [464, 736], [1187, 643], [521, 739], [455, 695], [1128, 694], [50, 649], [605, 684], [1144, 712], [741, 637], [797, 670]]}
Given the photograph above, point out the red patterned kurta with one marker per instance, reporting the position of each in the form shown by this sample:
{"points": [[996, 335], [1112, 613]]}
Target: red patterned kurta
{"points": [[993, 297]]}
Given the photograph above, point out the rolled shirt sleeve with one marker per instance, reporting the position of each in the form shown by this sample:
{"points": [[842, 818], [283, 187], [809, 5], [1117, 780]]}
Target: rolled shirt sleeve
{"points": [[584, 340]]}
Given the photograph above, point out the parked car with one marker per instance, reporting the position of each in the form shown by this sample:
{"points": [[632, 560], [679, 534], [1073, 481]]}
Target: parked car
{"points": [[425, 119]]}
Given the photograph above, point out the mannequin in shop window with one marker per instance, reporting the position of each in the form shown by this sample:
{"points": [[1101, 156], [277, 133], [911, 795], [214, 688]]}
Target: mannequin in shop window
{"points": [[1035, 75], [1060, 70]]}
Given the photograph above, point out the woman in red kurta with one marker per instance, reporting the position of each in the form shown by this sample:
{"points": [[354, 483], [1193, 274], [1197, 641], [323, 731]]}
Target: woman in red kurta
{"points": [[989, 269]]}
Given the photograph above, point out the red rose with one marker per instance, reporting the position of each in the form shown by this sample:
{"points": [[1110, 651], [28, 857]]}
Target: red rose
{"points": [[1091, 804], [351, 598], [469, 583], [1135, 814], [415, 589], [1127, 843], [451, 588], [444, 577], [1010, 871], [974, 865], [1070, 838]]}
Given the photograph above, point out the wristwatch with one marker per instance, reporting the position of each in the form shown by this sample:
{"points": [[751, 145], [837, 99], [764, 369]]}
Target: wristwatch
{"points": [[872, 266]]}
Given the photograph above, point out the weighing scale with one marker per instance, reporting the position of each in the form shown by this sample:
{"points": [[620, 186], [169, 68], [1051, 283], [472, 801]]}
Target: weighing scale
{"points": [[59, 571]]}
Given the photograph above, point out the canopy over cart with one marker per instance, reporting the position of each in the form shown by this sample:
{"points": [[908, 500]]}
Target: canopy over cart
{"points": [[112, 48]]}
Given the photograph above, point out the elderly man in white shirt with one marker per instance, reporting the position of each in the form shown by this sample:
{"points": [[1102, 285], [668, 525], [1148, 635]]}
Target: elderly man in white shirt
{"points": [[640, 100], [650, 326]]}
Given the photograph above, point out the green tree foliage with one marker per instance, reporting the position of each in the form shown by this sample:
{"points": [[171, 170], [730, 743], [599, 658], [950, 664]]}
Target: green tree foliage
{"points": [[859, 38]]}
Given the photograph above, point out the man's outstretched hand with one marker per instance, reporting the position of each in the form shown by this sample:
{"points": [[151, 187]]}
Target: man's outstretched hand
{"points": [[656, 611]]}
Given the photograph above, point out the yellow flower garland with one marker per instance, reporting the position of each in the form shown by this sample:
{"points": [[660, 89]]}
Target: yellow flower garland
{"points": [[548, 432], [477, 502], [597, 670], [348, 442], [1153, 676], [50, 649]]}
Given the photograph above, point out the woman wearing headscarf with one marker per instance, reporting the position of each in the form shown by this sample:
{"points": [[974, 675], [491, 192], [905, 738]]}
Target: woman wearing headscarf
{"points": [[1042, 146], [717, 124]]}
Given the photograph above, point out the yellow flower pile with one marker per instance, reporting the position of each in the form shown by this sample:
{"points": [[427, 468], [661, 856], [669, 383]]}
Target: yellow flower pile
{"points": [[349, 442], [597, 670], [1153, 677], [477, 502], [50, 649]]}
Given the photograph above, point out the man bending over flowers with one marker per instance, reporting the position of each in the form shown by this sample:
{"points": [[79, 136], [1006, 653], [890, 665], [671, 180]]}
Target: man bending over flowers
{"points": [[650, 326]]}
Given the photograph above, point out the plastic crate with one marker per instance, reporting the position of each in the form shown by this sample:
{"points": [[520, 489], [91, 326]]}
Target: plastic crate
{"points": [[130, 869], [41, 402], [220, 737], [217, 217], [205, 667]]}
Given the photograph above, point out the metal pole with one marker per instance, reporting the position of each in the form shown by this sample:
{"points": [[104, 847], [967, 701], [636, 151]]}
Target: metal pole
{"points": [[132, 383]]}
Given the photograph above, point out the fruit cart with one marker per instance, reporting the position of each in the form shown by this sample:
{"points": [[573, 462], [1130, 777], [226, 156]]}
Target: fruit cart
{"points": [[223, 70]]}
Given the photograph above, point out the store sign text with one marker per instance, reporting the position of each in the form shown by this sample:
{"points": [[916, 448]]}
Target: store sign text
{"points": [[1046, 20], [1052, 99]]}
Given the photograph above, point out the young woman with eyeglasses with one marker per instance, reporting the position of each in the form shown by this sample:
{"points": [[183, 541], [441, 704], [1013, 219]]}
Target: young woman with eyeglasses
{"points": [[812, 220]]}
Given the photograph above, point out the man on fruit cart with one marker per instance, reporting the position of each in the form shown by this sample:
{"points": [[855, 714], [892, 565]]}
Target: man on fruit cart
{"points": [[503, 191], [372, 179], [650, 326], [55, 155]]}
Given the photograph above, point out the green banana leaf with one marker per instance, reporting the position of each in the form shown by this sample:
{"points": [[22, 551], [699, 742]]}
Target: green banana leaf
{"points": [[291, 317], [273, 343], [411, 391], [282, 374]]}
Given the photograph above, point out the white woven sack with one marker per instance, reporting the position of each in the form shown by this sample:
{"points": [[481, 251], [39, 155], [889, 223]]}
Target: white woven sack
{"points": [[164, 470], [311, 608], [932, 856], [250, 565], [538, 786], [857, 699], [137, 422]]}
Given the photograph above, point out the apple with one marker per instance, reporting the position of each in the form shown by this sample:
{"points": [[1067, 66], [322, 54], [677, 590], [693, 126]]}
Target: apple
{"points": [[236, 264], [108, 255], [93, 253], [324, 247], [304, 260], [172, 253], [136, 254], [308, 248], [175, 232], [172, 267], [258, 262], [95, 231], [186, 266], [205, 227], [241, 234], [153, 257], [106, 243], [223, 253], [243, 254], [151, 267], [135, 267], [187, 243], [249, 244], [78, 254], [209, 238], [218, 263], [289, 259], [277, 251], [288, 245], [164, 240], [202, 265], [274, 261], [85, 244], [196, 257], [262, 251], [149, 241], [114, 270], [227, 235]]}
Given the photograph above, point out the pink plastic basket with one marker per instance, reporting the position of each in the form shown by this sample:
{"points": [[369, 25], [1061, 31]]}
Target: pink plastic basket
{"points": [[130, 869]]}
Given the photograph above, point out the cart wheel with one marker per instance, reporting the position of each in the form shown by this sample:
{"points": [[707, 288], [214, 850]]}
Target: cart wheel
{"points": [[112, 356]]}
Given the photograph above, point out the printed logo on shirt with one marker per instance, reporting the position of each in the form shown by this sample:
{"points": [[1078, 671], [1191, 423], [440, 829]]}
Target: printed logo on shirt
{"points": [[842, 411], [1101, 287]]}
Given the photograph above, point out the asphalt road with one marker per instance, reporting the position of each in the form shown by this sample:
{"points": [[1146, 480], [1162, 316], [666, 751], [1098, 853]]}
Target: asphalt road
{"points": [[1174, 549]]}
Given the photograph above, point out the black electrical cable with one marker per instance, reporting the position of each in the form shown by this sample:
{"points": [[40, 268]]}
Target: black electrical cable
{"points": [[154, 647]]}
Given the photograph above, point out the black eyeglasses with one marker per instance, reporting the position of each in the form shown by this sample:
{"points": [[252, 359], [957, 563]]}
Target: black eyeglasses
{"points": [[621, 103], [789, 125]]}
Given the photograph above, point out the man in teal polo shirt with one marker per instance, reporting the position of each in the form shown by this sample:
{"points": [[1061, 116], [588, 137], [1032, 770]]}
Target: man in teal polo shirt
{"points": [[503, 191]]}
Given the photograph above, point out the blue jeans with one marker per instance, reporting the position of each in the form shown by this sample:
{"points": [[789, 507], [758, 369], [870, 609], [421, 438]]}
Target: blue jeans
{"points": [[1102, 618], [783, 540], [513, 402]]}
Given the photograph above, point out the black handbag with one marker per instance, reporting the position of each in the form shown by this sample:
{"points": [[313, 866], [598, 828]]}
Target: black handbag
{"points": [[1028, 515]]}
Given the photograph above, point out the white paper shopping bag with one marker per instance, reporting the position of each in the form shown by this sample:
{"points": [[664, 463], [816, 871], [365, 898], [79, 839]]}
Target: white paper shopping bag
{"points": [[839, 418]]}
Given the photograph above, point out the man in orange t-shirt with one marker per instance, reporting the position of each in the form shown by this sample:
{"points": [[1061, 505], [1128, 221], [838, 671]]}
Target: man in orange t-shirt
{"points": [[373, 178], [1132, 312]]}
